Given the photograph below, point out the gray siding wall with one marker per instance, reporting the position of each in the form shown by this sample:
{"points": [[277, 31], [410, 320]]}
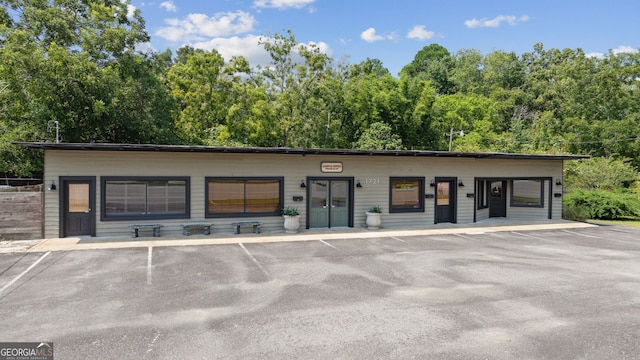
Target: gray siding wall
{"points": [[373, 172]]}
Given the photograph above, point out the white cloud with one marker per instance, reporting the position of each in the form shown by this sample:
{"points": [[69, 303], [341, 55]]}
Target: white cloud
{"points": [[596, 55], [169, 6], [419, 32], [198, 27], [624, 49], [619, 50], [249, 47], [130, 11], [495, 22], [282, 4], [370, 36], [144, 48]]}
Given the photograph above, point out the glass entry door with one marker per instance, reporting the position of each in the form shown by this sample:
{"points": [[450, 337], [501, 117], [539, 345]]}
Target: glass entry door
{"points": [[498, 200], [445, 200], [78, 205], [330, 203]]}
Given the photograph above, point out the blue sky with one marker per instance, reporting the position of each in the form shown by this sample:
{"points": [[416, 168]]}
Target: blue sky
{"points": [[393, 31]]}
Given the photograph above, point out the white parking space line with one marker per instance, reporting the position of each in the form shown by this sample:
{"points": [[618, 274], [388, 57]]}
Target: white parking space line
{"points": [[527, 235], [254, 259], [580, 234], [465, 237], [149, 265], [24, 272], [397, 238], [329, 245]]}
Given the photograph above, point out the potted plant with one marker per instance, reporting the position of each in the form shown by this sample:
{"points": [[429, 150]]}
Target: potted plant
{"points": [[291, 219], [374, 218]]}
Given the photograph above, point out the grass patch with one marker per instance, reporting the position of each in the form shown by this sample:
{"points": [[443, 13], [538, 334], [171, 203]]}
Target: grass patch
{"points": [[623, 222]]}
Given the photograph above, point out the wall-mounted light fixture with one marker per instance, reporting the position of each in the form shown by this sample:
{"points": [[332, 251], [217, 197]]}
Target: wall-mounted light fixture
{"points": [[432, 183], [558, 182], [460, 183], [358, 185], [303, 185], [52, 187]]}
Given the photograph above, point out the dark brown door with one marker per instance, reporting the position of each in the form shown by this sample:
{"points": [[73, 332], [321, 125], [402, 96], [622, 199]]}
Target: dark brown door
{"points": [[445, 200], [498, 199], [78, 206]]}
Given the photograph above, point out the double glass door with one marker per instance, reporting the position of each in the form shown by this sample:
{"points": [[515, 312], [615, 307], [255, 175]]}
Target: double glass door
{"points": [[330, 203]]}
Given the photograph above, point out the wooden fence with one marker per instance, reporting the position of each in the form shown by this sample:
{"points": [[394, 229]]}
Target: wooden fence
{"points": [[21, 213]]}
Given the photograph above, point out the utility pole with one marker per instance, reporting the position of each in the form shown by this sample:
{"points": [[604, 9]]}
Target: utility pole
{"points": [[451, 133], [54, 124]]}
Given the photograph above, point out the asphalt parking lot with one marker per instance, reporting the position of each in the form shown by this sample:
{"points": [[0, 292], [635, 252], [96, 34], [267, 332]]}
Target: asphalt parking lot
{"points": [[548, 294]]}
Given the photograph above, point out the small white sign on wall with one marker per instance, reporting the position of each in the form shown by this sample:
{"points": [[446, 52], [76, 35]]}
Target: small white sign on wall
{"points": [[331, 167]]}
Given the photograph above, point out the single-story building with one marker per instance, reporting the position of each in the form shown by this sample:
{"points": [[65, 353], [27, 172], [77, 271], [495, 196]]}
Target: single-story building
{"points": [[102, 189]]}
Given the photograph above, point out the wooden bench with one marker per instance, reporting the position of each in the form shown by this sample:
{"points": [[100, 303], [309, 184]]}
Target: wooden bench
{"points": [[255, 224], [206, 228], [136, 228]]}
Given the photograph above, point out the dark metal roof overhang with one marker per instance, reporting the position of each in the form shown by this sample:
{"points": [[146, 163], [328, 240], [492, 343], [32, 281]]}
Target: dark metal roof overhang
{"points": [[291, 151]]}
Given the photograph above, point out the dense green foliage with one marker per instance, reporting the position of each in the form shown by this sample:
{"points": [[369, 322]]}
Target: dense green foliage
{"points": [[601, 204], [600, 173], [601, 188], [76, 63]]}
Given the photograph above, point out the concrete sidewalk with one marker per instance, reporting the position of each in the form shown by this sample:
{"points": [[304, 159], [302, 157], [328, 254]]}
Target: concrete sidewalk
{"points": [[92, 243]]}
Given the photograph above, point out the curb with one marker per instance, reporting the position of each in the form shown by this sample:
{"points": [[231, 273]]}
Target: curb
{"points": [[88, 243]]}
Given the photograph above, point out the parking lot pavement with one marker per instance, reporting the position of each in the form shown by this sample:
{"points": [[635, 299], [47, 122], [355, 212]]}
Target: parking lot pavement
{"points": [[547, 294]]}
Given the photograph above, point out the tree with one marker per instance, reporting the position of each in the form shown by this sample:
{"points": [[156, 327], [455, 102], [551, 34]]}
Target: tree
{"points": [[198, 82], [432, 62], [75, 63], [298, 84], [475, 115], [600, 173], [379, 136], [467, 72]]}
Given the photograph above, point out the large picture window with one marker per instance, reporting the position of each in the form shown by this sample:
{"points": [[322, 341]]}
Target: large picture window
{"points": [[527, 193], [406, 194], [145, 198], [227, 197]]}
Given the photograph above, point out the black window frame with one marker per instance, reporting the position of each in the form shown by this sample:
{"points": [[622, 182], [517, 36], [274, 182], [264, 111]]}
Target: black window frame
{"points": [[421, 195], [208, 214], [483, 190], [115, 217], [513, 202]]}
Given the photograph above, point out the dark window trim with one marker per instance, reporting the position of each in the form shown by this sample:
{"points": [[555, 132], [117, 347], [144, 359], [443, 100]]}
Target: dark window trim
{"points": [[512, 203], [229, 215], [103, 198], [421, 194], [483, 193]]}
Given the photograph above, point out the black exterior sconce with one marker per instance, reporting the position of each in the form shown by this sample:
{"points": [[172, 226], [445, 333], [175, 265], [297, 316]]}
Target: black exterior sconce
{"points": [[303, 185], [358, 185], [52, 187], [432, 183], [460, 183], [558, 182]]}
